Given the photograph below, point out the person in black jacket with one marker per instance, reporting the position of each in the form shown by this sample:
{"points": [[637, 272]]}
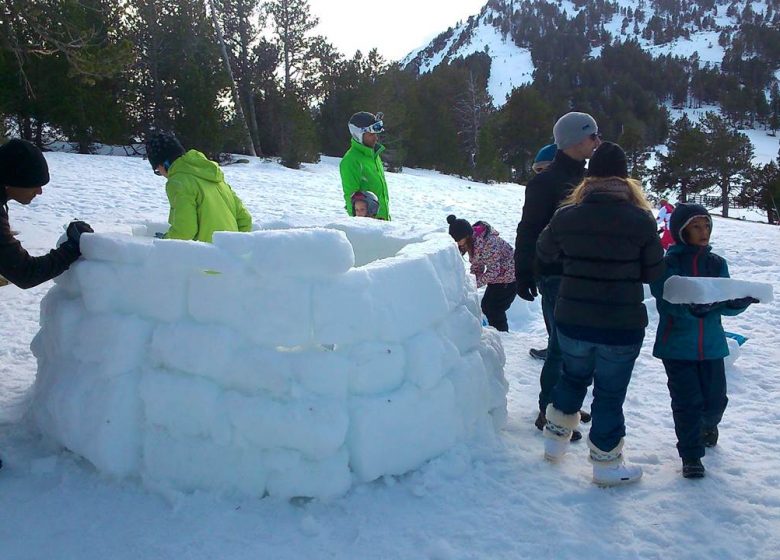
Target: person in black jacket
{"points": [[576, 136], [23, 171], [605, 238]]}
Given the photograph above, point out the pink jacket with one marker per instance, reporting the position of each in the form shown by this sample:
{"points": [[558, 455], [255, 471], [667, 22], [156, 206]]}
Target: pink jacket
{"points": [[494, 259]]}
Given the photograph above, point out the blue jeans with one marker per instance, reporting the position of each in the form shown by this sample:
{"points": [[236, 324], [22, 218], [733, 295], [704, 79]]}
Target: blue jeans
{"points": [[551, 370], [609, 368]]}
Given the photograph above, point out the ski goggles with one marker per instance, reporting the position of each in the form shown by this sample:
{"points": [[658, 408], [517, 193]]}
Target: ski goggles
{"points": [[375, 128]]}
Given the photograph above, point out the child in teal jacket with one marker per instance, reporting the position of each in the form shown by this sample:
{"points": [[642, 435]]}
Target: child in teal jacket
{"points": [[690, 339]]}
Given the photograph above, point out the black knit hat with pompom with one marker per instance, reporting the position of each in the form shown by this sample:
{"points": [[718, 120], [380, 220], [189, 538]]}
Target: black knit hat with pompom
{"points": [[459, 228]]}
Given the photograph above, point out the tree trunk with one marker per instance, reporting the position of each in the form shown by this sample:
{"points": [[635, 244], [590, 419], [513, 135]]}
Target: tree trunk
{"points": [[233, 86], [724, 197], [684, 190]]}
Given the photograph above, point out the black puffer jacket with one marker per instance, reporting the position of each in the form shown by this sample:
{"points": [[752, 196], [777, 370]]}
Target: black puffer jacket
{"points": [[543, 195], [608, 248], [18, 266]]}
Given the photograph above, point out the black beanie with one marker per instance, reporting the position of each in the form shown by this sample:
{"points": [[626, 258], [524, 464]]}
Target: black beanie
{"points": [[459, 228], [609, 160], [22, 165], [162, 147]]}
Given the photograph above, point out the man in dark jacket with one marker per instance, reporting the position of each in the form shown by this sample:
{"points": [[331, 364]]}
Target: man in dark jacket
{"points": [[23, 171], [577, 137]]}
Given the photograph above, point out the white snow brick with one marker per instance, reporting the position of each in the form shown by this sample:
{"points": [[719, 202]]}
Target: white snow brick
{"points": [[428, 357], [96, 418], [375, 367], [316, 427], [734, 353], [322, 372], [268, 310], [308, 253], [185, 405], [396, 433], [292, 475], [343, 309], [111, 343], [115, 248], [195, 348], [472, 397], [462, 328], [686, 289], [188, 463], [492, 353]]}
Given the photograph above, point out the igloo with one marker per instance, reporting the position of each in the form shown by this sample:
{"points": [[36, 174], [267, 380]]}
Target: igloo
{"points": [[290, 361]]}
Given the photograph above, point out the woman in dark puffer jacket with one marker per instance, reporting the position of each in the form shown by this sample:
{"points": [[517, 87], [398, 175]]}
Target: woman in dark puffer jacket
{"points": [[605, 236]]}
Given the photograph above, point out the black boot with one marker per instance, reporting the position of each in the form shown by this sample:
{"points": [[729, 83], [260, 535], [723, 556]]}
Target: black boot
{"points": [[538, 353], [710, 437], [584, 417], [692, 468]]}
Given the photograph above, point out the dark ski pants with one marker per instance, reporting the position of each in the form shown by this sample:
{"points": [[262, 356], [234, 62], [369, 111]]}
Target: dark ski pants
{"points": [[497, 299], [551, 370], [609, 368], [698, 391]]}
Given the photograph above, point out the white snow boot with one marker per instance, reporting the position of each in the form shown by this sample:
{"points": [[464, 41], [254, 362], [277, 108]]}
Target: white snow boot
{"points": [[609, 467], [557, 432]]}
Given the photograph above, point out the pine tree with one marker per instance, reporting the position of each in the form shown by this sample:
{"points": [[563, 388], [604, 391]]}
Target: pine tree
{"points": [[679, 171], [726, 157]]}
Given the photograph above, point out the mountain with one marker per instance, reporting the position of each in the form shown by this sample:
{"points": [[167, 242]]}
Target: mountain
{"points": [[529, 40]]}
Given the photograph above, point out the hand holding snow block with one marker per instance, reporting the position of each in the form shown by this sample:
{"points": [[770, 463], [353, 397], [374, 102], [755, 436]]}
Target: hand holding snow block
{"points": [[687, 289], [301, 253]]}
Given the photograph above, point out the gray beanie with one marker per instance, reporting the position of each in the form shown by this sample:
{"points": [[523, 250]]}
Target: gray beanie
{"points": [[572, 128]]}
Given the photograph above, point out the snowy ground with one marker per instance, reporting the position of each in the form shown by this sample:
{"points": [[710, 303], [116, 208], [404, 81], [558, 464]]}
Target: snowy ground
{"points": [[499, 501]]}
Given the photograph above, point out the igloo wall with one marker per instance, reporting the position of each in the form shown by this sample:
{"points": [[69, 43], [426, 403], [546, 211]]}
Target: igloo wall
{"points": [[266, 362]]}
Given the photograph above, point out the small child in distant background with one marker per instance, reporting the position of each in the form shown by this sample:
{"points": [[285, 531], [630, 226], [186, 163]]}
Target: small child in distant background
{"points": [[492, 262], [665, 211], [365, 204], [690, 339]]}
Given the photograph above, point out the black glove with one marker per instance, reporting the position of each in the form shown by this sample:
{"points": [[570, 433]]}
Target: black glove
{"points": [[75, 229], [660, 230], [526, 288], [701, 309], [740, 303]]}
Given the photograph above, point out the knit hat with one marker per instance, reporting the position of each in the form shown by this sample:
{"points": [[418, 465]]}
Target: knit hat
{"points": [[572, 128], [459, 228], [682, 216], [22, 165], [609, 160], [545, 156], [162, 147]]}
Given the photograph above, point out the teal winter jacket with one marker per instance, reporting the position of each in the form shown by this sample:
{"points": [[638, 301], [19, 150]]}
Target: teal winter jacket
{"points": [[680, 335]]}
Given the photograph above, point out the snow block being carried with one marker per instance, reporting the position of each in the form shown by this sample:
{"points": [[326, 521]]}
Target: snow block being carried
{"points": [[687, 289], [267, 363]]}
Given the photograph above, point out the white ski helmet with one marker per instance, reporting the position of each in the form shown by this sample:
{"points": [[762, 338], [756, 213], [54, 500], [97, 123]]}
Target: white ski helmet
{"points": [[372, 202], [363, 122]]}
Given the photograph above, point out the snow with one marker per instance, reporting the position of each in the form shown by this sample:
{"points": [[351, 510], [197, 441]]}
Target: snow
{"points": [[496, 498], [683, 289]]}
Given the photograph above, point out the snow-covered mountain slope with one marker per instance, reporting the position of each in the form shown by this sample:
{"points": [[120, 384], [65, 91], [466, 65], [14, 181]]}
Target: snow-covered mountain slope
{"points": [[501, 29]]}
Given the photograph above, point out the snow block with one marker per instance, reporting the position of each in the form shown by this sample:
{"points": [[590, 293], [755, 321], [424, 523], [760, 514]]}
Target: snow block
{"points": [[686, 289]]}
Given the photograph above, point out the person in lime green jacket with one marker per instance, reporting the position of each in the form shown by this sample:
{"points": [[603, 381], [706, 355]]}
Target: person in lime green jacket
{"points": [[201, 201], [361, 167]]}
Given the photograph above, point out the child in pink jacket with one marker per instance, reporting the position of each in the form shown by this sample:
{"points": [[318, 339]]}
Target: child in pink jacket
{"points": [[492, 262]]}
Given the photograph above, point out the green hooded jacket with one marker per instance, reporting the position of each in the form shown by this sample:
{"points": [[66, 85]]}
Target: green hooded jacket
{"points": [[201, 201], [361, 170]]}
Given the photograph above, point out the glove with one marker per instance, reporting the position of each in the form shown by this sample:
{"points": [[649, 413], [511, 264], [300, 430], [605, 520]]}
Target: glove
{"points": [[701, 309], [75, 229], [526, 288], [740, 303], [159, 235], [660, 230]]}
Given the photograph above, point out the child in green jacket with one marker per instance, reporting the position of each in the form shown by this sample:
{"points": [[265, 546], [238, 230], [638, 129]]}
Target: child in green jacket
{"points": [[690, 339], [201, 201]]}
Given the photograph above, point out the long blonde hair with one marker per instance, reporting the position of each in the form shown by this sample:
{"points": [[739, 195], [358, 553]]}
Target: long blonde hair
{"points": [[634, 191]]}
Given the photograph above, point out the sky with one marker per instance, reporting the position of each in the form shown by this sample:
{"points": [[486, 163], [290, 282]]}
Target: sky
{"points": [[395, 28]]}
